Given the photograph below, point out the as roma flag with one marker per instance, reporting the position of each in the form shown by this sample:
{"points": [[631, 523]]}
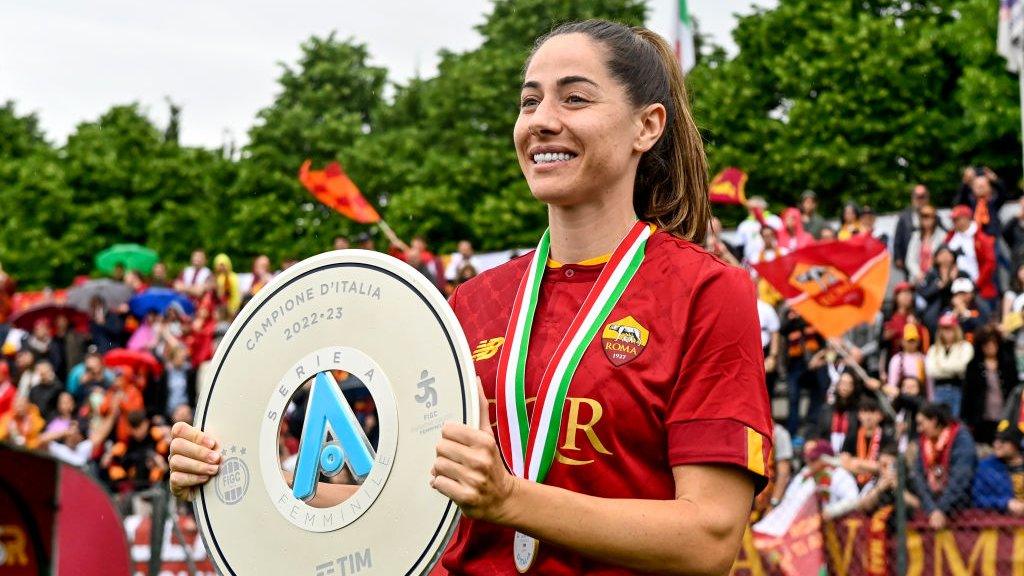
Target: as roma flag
{"points": [[335, 189], [729, 187], [833, 285]]}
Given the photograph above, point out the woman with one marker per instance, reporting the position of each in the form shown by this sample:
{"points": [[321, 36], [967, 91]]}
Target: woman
{"points": [[850, 221], [937, 287], [904, 311], [604, 135], [909, 361], [991, 375], [228, 294], [946, 363], [792, 235], [839, 417], [924, 241]]}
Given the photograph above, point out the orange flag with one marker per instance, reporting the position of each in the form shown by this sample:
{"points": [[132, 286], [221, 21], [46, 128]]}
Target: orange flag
{"points": [[729, 187], [335, 189], [833, 285]]}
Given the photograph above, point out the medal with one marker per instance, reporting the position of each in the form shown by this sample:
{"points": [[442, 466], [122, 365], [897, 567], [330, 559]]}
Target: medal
{"points": [[528, 445]]}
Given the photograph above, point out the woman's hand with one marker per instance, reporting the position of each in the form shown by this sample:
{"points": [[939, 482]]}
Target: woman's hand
{"points": [[194, 459], [470, 471]]}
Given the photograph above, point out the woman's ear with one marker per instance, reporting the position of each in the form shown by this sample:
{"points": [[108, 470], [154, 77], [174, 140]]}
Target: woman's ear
{"points": [[651, 120]]}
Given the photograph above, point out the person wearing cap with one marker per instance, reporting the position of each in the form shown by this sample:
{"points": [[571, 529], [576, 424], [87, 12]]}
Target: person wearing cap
{"points": [[749, 231], [813, 222], [836, 487], [908, 222], [945, 464], [922, 243], [991, 376], [946, 362], [999, 480], [904, 311], [975, 251], [972, 312], [909, 361]]}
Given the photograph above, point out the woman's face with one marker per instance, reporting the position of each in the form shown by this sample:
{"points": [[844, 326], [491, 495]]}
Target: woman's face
{"points": [[849, 214], [944, 258], [65, 404], [844, 388], [905, 299], [578, 137]]}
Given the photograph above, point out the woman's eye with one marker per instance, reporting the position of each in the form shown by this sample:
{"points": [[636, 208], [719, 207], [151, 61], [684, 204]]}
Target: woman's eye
{"points": [[576, 99], [528, 102]]}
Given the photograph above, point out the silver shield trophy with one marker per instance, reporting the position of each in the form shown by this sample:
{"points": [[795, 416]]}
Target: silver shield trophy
{"points": [[363, 354]]}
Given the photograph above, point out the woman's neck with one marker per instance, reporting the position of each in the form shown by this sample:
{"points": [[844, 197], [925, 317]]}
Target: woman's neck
{"points": [[589, 230]]}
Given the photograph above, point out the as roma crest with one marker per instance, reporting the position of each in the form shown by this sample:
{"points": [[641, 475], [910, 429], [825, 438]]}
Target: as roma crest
{"points": [[827, 285], [624, 340]]}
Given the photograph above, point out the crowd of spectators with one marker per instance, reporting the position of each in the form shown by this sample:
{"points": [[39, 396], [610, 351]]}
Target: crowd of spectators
{"points": [[99, 386], [934, 379]]}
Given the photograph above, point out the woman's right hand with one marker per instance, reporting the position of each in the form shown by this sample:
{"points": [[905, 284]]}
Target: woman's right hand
{"points": [[194, 459]]}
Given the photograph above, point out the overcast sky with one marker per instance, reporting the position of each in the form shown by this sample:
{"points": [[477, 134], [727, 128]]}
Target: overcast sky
{"points": [[69, 60]]}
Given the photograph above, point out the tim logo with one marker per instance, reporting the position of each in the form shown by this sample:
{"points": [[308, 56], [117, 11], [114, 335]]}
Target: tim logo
{"points": [[331, 439]]}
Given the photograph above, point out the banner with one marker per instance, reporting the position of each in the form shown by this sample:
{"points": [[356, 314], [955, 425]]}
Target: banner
{"points": [[833, 285], [729, 187], [174, 554], [789, 537], [335, 189], [977, 543]]}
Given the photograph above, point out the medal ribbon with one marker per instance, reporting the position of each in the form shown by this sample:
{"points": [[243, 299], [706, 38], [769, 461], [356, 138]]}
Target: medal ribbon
{"points": [[528, 445]]}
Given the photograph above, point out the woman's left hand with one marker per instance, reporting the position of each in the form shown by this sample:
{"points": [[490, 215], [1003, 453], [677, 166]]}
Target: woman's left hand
{"points": [[469, 469]]}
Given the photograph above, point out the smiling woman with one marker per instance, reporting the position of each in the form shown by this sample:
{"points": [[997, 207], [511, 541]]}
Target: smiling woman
{"points": [[604, 457]]}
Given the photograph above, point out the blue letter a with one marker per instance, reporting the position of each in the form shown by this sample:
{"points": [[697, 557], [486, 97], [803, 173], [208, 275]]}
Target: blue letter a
{"points": [[327, 410]]}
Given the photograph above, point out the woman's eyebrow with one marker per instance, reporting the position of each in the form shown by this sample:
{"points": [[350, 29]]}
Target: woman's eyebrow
{"points": [[563, 81]]}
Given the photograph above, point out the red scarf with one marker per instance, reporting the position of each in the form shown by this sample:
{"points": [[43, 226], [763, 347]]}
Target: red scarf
{"points": [[868, 452], [840, 422], [936, 455]]}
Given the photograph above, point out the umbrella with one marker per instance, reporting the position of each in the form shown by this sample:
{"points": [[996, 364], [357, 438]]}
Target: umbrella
{"points": [[131, 256], [142, 362], [113, 294], [159, 300], [27, 318]]}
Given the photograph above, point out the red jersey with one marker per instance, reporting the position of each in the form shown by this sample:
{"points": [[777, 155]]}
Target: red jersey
{"points": [[675, 376]]}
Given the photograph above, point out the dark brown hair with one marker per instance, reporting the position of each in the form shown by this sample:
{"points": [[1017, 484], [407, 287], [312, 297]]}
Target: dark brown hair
{"points": [[671, 186]]}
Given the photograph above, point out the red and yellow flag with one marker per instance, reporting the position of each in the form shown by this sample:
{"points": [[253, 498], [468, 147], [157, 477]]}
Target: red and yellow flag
{"points": [[335, 189], [833, 285], [729, 187]]}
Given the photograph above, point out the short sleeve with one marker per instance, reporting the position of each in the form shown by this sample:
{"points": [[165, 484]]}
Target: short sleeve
{"points": [[719, 411], [783, 443]]}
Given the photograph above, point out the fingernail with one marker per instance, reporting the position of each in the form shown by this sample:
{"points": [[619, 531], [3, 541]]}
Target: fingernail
{"points": [[211, 470], [213, 458], [209, 443]]}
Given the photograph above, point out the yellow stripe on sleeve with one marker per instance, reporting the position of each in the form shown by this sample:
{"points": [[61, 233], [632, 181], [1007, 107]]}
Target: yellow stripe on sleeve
{"points": [[755, 452]]}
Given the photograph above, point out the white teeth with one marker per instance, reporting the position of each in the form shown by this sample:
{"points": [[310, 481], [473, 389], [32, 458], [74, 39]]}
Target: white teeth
{"points": [[548, 157]]}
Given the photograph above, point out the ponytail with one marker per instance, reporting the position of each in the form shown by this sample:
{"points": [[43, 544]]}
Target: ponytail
{"points": [[671, 186]]}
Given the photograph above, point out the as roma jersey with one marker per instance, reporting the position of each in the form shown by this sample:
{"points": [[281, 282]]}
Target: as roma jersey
{"points": [[675, 376]]}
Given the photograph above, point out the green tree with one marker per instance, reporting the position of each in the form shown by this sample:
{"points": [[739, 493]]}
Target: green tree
{"points": [[858, 100]]}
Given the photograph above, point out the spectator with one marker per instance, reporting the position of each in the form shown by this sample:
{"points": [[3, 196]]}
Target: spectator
{"points": [[867, 225], [25, 371], [946, 363], [41, 343], [983, 192], [945, 464], [158, 276], [126, 396], [262, 274], [861, 451], [177, 385], [90, 372], [827, 234], [770, 250], [70, 342], [81, 440], [105, 326], [63, 418], [1013, 299], [881, 491], [22, 425], [803, 343], [46, 390], [792, 235], [999, 481], [341, 243], [906, 402], [1013, 233], [813, 222], [838, 418], [971, 312], [975, 251], [991, 375], [769, 321], [193, 278], [782, 460], [850, 222], [924, 241], [910, 221], [904, 311], [909, 361], [466, 273], [228, 294], [937, 287], [139, 460], [749, 230], [836, 487], [461, 258], [133, 280]]}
